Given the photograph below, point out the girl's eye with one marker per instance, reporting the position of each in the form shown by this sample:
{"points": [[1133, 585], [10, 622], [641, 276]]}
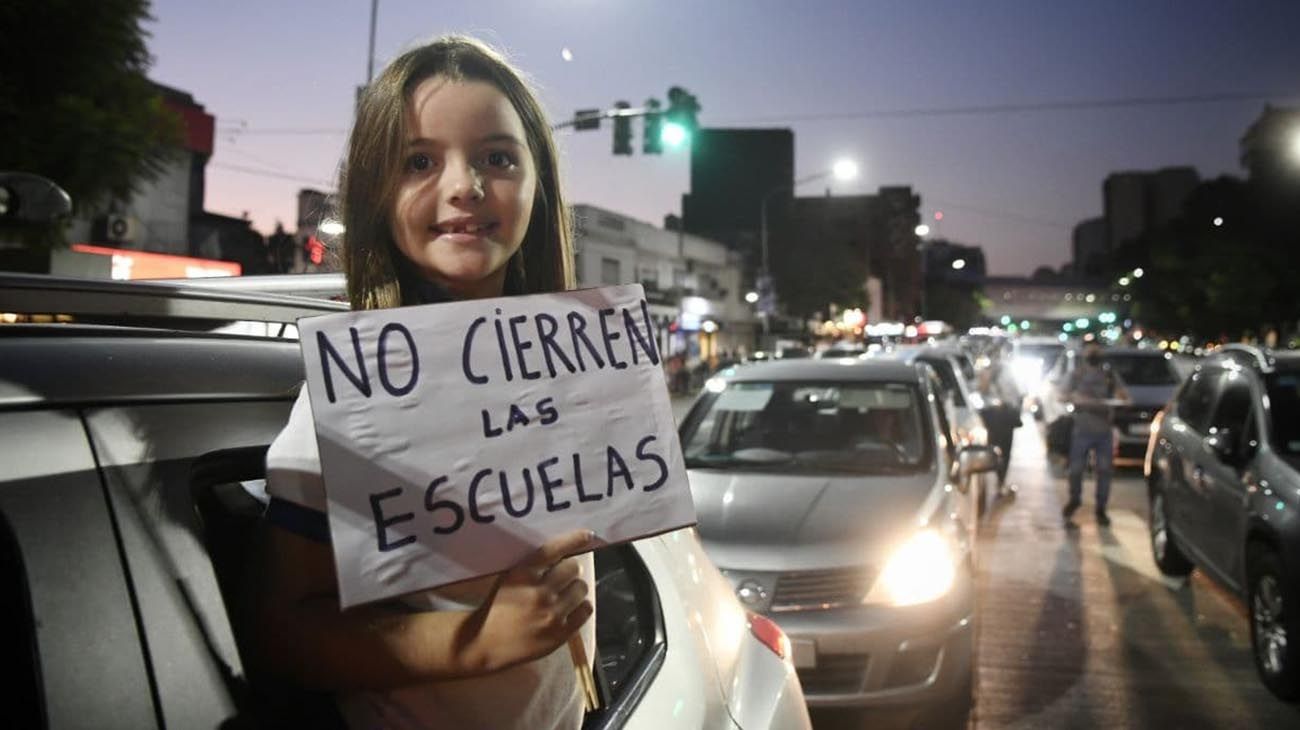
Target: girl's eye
{"points": [[418, 162], [499, 159]]}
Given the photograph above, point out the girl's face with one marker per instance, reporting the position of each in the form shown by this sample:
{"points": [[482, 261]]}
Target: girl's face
{"points": [[467, 186]]}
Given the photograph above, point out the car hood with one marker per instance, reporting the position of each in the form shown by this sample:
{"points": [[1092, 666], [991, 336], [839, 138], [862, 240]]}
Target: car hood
{"points": [[758, 521]]}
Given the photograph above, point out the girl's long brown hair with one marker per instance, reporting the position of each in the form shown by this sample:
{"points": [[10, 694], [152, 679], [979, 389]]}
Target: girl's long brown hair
{"points": [[368, 182]]}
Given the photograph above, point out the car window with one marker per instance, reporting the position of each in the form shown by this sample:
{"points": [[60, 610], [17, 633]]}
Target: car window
{"points": [[1234, 404], [1284, 412], [1142, 369], [809, 427], [943, 408], [19, 635], [1196, 399], [948, 377]]}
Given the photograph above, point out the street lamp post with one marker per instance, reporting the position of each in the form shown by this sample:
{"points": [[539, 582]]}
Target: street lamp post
{"points": [[842, 170]]}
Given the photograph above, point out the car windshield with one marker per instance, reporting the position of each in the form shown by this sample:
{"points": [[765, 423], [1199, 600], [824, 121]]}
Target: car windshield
{"points": [[1143, 369], [806, 427], [1284, 410]]}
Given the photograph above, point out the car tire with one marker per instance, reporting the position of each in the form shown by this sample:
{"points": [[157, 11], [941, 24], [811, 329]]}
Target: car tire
{"points": [[1274, 623], [1164, 549]]}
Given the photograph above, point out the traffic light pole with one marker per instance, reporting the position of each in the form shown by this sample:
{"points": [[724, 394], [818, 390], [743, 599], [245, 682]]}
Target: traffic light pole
{"points": [[585, 118]]}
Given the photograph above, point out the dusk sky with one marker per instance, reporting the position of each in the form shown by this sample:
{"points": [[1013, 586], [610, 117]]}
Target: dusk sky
{"points": [[280, 78]]}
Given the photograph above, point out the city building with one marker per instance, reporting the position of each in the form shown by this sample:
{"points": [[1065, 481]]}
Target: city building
{"points": [[832, 245], [693, 284], [1134, 202], [1091, 249], [162, 230], [732, 172]]}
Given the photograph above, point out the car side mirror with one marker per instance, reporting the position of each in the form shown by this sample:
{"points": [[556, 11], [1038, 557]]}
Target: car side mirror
{"points": [[27, 198], [977, 459]]}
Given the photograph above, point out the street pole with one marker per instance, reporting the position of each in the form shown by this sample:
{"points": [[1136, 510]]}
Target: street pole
{"points": [[370, 55]]}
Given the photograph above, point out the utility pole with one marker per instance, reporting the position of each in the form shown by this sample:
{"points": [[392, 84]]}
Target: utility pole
{"points": [[370, 55]]}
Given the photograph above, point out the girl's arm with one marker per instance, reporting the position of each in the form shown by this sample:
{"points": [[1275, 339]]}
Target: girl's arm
{"points": [[300, 635]]}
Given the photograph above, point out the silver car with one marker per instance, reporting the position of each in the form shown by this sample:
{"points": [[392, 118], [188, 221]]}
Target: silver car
{"points": [[831, 494]]}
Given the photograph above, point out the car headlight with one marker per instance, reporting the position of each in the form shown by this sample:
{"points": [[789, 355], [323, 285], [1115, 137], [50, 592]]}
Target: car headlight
{"points": [[920, 570]]}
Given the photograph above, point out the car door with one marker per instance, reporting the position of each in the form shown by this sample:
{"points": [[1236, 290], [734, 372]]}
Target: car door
{"points": [[1221, 494], [1182, 484], [73, 649]]}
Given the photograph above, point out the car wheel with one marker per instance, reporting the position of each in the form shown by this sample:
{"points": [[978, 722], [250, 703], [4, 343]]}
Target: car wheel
{"points": [[1274, 624], [1169, 559]]}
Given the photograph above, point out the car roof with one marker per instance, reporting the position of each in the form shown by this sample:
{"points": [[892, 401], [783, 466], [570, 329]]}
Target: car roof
{"points": [[912, 353], [831, 369], [100, 341], [76, 365]]}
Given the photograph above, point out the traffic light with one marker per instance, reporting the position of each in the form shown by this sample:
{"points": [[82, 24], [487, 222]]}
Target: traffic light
{"points": [[652, 141], [622, 130], [681, 123]]}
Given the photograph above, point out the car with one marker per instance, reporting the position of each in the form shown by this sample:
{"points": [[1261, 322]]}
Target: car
{"points": [[832, 493], [1032, 359], [1149, 375], [966, 402], [841, 349], [134, 428], [1223, 480]]}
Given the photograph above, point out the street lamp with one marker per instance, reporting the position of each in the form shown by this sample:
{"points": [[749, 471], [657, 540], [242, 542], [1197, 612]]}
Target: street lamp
{"points": [[842, 170], [922, 231]]}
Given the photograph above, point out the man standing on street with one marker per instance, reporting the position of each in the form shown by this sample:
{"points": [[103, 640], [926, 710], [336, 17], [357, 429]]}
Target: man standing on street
{"points": [[1093, 389]]}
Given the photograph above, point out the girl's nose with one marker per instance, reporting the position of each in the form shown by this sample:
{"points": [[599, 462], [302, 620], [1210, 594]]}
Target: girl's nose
{"points": [[463, 183]]}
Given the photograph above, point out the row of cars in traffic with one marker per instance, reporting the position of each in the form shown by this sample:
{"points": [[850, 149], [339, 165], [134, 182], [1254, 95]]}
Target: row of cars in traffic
{"points": [[837, 497], [833, 565]]}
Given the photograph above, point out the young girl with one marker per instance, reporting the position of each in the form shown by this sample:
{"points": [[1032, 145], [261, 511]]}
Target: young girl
{"points": [[450, 191]]}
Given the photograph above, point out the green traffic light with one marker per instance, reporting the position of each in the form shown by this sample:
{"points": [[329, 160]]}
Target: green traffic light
{"points": [[673, 134]]}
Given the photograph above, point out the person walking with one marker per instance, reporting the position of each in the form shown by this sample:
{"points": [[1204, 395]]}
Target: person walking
{"points": [[1092, 389], [1001, 412]]}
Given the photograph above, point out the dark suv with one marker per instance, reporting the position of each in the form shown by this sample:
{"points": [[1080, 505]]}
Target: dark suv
{"points": [[1223, 472]]}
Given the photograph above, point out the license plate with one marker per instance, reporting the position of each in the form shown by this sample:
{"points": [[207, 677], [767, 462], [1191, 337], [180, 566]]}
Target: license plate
{"points": [[803, 653]]}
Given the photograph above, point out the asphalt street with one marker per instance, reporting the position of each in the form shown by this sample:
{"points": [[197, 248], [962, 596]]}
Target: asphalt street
{"points": [[1078, 629]]}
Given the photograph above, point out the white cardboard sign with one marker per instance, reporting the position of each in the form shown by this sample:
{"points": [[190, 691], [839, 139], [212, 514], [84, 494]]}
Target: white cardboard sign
{"points": [[455, 438]]}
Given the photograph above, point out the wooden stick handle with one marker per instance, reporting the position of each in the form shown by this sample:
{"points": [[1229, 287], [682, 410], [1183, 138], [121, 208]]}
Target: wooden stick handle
{"points": [[582, 670]]}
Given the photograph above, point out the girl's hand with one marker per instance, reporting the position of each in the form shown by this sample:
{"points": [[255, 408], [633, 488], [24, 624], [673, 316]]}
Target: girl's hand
{"points": [[536, 606]]}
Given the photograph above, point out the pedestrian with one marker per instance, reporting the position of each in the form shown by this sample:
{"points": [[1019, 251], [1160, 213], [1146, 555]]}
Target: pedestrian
{"points": [[1001, 412], [1092, 389], [449, 191]]}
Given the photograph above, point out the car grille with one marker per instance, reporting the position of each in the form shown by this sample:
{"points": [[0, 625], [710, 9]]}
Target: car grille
{"points": [[835, 674], [820, 589]]}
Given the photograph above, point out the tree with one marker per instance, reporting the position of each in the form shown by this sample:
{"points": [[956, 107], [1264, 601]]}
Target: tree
{"points": [[1222, 268], [75, 103]]}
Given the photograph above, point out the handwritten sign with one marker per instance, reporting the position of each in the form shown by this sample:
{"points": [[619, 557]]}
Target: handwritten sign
{"points": [[455, 438]]}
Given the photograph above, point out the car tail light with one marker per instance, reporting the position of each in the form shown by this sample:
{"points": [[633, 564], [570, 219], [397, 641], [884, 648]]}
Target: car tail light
{"points": [[766, 631]]}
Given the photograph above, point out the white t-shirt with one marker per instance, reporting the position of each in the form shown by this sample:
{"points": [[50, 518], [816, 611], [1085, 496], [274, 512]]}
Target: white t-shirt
{"points": [[539, 695]]}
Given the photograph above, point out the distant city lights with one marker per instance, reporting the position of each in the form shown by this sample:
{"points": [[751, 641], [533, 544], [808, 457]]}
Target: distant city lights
{"points": [[752, 297], [1137, 273]]}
